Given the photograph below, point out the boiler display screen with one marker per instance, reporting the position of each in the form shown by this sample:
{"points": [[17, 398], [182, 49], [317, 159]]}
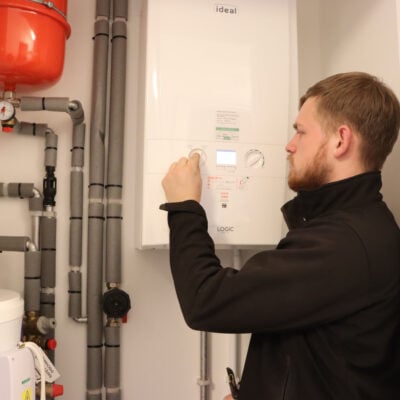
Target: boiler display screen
{"points": [[226, 157]]}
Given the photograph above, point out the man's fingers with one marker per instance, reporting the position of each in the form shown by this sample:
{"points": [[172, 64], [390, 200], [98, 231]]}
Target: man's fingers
{"points": [[182, 161], [194, 159], [172, 166]]}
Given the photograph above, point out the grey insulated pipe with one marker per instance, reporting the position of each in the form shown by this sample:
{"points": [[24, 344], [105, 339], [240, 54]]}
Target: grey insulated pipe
{"points": [[94, 362], [32, 268], [116, 301], [203, 381], [36, 201], [26, 191], [48, 220], [76, 215], [29, 246]]}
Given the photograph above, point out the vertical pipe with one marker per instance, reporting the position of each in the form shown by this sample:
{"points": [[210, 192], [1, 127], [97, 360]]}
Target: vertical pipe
{"points": [[112, 361], [114, 191], [48, 240], [76, 216], [234, 345], [48, 235], [35, 208], [32, 280], [203, 381], [116, 142], [94, 380]]}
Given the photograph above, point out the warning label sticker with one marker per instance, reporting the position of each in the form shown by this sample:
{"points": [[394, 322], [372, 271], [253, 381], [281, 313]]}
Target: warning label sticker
{"points": [[227, 125], [27, 394]]}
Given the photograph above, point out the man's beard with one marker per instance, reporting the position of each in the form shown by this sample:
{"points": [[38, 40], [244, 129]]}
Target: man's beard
{"points": [[314, 175]]}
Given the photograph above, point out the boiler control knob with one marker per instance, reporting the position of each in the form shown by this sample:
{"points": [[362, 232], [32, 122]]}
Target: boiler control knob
{"points": [[254, 158], [7, 110], [200, 152]]}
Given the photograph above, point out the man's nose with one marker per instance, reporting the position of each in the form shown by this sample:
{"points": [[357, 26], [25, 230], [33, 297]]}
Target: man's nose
{"points": [[291, 147]]}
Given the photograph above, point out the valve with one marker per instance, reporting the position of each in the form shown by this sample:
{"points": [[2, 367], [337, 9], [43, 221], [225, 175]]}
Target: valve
{"points": [[50, 344], [116, 303], [52, 390], [35, 325], [7, 127], [49, 187]]}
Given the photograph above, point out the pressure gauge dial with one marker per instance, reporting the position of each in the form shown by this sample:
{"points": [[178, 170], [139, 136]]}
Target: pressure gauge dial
{"points": [[254, 158], [7, 110]]}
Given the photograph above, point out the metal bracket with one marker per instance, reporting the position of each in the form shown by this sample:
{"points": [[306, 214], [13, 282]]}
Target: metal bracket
{"points": [[50, 4]]}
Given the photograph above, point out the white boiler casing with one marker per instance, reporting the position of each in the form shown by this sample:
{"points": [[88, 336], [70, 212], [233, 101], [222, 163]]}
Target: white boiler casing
{"points": [[216, 78]]}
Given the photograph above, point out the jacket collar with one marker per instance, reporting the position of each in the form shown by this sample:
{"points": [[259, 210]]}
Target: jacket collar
{"points": [[348, 193]]}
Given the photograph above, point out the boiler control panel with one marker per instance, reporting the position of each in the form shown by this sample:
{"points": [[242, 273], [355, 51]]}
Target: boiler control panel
{"points": [[243, 190]]}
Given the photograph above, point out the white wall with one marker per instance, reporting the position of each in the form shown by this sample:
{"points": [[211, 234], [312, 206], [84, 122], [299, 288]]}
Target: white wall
{"points": [[160, 355], [338, 36]]}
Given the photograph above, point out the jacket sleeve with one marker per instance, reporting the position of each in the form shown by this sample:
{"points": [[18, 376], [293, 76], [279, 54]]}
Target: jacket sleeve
{"points": [[317, 274]]}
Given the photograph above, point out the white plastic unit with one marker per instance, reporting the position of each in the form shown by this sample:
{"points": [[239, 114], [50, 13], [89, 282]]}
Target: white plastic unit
{"points": [[17, 375], [216, 80], [11, 313], [17, 372]]}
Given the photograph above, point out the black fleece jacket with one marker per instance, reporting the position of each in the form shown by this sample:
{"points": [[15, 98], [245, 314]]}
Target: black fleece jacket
{"points": [[323, 307]]}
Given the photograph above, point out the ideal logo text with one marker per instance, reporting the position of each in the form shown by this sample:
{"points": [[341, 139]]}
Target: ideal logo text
{"points": [[225, 9]]}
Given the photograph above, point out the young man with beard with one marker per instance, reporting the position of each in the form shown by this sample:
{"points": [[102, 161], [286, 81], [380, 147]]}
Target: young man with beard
{"points": [[324, 306]]}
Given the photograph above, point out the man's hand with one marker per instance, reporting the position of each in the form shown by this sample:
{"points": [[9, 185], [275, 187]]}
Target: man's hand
{"points": [[183, 180], [229, 397]]}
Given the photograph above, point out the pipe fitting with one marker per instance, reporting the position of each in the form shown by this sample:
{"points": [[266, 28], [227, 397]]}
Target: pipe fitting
{"points": [[49, 187], [31, 246], [75, 111], [116, 303], [30, 325], [45, 324], [35, 325]]}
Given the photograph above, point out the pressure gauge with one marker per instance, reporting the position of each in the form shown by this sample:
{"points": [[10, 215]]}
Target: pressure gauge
{"points": [[7, 110]]}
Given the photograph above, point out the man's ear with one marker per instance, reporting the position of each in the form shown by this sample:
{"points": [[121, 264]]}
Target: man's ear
{"points": [[344, 139]]}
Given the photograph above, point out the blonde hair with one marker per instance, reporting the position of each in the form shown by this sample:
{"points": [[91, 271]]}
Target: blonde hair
{"points": [[367, 105]]}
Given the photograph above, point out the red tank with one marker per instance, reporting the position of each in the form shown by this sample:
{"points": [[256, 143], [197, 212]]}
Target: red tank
{"points": [[32, 42]]}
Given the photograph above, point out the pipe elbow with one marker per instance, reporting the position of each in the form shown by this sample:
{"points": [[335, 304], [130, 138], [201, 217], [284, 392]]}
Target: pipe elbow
{"points": [[30, 245], [75, 110]]}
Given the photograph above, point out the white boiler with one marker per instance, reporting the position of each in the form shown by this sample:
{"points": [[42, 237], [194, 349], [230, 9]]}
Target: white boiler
{"points": [[217, 78]]}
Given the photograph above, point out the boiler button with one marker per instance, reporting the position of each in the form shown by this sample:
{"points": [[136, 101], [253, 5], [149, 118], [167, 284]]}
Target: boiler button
{"points": [[254, 158], [201, 153]]}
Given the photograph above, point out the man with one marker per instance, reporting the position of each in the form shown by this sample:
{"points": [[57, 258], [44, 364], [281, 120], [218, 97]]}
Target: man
{"points": [[324, 306]]}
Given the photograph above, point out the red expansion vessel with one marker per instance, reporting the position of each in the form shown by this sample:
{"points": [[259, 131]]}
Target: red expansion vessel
{"points": [[32, 42]]}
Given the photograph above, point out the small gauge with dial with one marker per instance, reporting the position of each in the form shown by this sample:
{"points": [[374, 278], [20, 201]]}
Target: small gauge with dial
{"points": [[7, 110]]}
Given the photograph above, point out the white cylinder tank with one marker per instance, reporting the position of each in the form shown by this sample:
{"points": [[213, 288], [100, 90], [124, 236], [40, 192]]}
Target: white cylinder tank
{"points": [[11, 313]]}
